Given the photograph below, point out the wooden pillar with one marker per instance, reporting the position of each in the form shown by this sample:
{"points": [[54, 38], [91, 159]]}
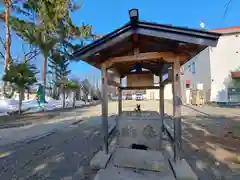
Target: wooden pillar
{"points": [[173, 91], [162, 104], [104, 107], [120, 98], [161, 100], [177, 109]]}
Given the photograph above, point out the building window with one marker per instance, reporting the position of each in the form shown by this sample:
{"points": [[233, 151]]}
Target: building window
{"points": [[189, 67], [193, 67]]}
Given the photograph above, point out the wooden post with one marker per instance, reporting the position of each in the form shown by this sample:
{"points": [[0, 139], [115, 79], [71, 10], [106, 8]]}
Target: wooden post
{"points": [[161, 100], [173, 90], [120, 98], [162, 104], [104, 107], [177, 109]]}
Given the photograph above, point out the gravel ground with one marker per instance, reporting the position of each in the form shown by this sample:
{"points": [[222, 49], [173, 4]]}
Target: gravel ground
{"points": [[211, 141], [209, 146]]}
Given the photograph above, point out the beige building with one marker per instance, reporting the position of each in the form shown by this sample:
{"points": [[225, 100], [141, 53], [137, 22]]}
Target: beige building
{"points": [[215, 71], [154, 93]]}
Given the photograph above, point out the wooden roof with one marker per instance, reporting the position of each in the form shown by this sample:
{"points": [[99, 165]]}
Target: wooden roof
{"points": [[156, 44]]}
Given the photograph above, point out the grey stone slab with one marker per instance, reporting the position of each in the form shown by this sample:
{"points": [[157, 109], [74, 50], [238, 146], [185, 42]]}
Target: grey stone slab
{"points": [[139, 132], [114, 173], [139, 159], [100, 160], [182, 170], [144, 115]]}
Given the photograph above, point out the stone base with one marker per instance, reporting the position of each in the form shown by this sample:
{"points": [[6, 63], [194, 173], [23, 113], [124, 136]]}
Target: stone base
{"points": [[139, 159], [100, 160], [114, 173], [182, 170], [139, 128]]}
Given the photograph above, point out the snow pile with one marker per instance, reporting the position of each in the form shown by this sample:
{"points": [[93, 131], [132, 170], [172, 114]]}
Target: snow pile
{"points": [[8, 105], [11, 105]]}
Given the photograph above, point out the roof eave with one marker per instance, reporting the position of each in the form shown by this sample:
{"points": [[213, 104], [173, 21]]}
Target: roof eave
{"points": [[183, 29], [103, 39], [204, 37]]}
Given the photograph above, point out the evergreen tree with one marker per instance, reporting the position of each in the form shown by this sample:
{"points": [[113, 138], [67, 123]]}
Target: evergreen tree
{"points": [[59, 70], [22, 75]]}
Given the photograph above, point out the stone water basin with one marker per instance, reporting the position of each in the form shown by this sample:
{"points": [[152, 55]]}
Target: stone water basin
{"points": [[139, 128], [144, 115]]}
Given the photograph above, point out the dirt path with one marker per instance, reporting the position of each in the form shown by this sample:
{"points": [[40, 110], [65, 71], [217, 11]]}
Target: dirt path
{"points": [[211, 142]]}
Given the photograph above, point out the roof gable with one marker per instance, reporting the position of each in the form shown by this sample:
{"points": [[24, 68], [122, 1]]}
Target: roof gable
{"points": [[169, 32]]}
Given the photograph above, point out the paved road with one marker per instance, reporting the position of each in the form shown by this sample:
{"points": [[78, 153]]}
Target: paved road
{"points": [[65, 154]]}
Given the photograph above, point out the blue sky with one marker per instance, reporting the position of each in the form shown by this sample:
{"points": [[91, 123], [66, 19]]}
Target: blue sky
{"points": [[106, 15]]}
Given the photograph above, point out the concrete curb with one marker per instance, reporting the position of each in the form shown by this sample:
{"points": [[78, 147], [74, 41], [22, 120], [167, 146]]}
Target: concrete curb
{"points": [[182, 170]]}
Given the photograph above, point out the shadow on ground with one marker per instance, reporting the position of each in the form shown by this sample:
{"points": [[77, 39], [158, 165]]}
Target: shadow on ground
{"points": [[63, 155], [211, 144]]}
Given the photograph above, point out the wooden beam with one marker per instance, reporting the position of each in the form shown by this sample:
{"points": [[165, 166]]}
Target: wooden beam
{"points": [[111, 77], [166, 81], [114, 72], [113, 83], [140, 87], [160, 56], [138, 73]]}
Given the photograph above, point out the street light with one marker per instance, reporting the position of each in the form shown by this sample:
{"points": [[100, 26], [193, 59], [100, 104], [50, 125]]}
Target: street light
{"points": [[133, 14]]}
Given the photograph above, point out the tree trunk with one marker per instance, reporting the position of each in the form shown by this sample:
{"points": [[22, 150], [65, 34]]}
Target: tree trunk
{"points": [[80, 94], [7, 41], [64, 99], [20, 101], [28, 93], [74, 99], [44, 73]]}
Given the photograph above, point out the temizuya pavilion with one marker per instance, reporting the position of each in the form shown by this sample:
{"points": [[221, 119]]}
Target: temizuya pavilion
{"points": [[141, 48]]}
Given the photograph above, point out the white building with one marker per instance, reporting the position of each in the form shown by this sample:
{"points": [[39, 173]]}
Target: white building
{"points": [[212, 69], [154, 93]]}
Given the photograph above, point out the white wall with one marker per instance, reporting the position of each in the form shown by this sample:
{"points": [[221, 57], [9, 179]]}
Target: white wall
{"points": [[201, 74], [154, 93], [224, 59]]}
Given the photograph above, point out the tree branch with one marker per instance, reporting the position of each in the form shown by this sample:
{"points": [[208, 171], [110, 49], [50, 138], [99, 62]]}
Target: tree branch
{"points": [[227, 7], [32, 53]]}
